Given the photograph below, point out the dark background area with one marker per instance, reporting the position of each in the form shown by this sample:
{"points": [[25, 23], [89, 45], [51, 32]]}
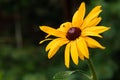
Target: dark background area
{"points": [[21, 56]]}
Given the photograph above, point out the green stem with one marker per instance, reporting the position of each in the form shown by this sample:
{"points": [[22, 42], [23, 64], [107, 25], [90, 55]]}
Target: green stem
{"points": [[90, 64]]}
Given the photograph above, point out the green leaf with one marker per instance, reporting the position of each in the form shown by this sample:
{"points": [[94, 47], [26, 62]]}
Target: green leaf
{"points": [[62, 75]]}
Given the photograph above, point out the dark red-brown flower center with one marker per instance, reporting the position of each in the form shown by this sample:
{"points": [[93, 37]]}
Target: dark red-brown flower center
{"points": [[73, 33]]}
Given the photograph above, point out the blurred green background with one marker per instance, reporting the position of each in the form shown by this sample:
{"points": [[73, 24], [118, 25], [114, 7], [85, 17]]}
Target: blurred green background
{"points": [[22, 58]]}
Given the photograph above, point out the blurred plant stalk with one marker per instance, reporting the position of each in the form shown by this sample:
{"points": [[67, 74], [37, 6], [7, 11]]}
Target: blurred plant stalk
{"points": [[18, 32], [93, 72]]}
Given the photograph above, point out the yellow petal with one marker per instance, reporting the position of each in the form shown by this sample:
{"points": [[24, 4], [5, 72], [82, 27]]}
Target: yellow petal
{"points": [[65, 26], [53, 42], [83, 47], [79, 15], [52, 31], [81, 56], [54, 48], [74, 52], [53, 51], [94, 10], [47, 36], [45, 40], [97, 29], [94, 13], [93, 43], [67, 55], [94, 22], [90, 33]]}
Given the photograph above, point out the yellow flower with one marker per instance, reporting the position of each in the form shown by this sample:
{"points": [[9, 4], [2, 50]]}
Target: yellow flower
{"points": [[76, 35]]}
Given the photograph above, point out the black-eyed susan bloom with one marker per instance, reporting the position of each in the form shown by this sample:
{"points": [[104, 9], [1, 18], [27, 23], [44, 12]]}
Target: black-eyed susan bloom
{"points": [[75, 35]]}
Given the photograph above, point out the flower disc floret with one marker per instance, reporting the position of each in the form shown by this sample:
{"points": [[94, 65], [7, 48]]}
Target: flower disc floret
{"points": [[73, 33]]}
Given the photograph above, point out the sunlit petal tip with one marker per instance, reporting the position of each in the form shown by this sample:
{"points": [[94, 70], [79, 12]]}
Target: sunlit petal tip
{"points": [[41, 27], [98, 7], [46, 49], [101, 11], [103, 47], [103, 29], [100, 18], [49, 56], [108, 28], [83, 58], [53, 51], [82, 4], [67, 66], [99, 36], [45, 40], [76, 63], [41, 42], [87, 57], [47, 36]]}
